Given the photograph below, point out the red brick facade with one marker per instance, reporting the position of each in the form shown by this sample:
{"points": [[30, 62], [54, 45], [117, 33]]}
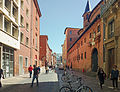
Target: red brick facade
{"points": [[43, 48], [87, 52], [29, 47]]}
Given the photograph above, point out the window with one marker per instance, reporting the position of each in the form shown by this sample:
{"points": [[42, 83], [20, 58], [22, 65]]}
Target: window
{"points": [[27, 39], [22, 20], [99, 28], [81, 43], [85, 55], [27, 12], [36, 23], [22, 4], [36, 42], [27, 26], [111, 29], [81, 55], [21, 37], [85, 40], [26, 62], [70, 39], [70, 32], [90, 35]]}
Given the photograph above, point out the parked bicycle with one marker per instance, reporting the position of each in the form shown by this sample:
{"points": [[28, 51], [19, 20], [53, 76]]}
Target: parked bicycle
{"points": [[81, 87]]}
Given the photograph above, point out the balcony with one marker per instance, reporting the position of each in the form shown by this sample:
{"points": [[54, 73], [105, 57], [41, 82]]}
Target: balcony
{"points": [[106, 6], [8, 7]]}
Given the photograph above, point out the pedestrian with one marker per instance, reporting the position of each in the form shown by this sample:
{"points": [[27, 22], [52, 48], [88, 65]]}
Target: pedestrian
{"points": [[114, 76], [101, 76], [1, 76], [35, 75], [46, 67], [30, 70], [38, 69]]}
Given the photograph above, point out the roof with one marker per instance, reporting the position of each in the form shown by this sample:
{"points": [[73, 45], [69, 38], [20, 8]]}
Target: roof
{"points": [[97, 17], [37, 6], [70, 28], [88, 7]]}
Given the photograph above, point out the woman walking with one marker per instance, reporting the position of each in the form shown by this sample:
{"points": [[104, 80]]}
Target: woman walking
{"points": [[101, 76]]}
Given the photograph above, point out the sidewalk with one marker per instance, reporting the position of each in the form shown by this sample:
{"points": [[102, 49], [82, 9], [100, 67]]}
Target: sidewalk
{"points": [[91, 80]]}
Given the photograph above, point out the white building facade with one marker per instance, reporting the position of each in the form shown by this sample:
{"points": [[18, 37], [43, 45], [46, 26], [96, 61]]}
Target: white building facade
{"points": [[9, 34]]}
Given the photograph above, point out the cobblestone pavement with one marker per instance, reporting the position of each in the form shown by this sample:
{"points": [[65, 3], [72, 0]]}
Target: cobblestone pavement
{"points": [[93, 83], [47, 83]]}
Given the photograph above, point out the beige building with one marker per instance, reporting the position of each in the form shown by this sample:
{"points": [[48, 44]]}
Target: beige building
{"points": [[9, 34], [110, 14]]}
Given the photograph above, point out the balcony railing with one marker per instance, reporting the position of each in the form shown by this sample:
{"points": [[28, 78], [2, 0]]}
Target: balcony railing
{"points": [[106, 6]]}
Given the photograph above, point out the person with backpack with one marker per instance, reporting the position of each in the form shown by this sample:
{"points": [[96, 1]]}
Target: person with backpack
{"points": [[30, 70], [38, 69], [1, 76], [114, 76], [35, 75], [101, 76]]}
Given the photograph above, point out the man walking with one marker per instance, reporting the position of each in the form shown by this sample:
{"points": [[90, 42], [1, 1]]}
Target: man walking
{"points": [[1, 76], [35, 75], [30, 70], [114, 76]]}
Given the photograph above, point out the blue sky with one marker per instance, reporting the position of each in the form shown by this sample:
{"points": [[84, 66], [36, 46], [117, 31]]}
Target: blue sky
{"points": [[59, 14]]}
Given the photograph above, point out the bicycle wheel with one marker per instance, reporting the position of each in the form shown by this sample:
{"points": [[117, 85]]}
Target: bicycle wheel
{"points": [[85, 89], [65, 89], [64, 78]]}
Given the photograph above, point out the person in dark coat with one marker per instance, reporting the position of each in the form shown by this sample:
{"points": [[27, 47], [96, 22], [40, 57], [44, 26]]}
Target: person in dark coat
{"points": [[1, 76], [101, 76], [35, 75], [114, 76]]}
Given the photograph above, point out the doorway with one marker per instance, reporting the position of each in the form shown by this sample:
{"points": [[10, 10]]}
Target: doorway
{"points": [[94, 59], [20, 65], [111, 60]]}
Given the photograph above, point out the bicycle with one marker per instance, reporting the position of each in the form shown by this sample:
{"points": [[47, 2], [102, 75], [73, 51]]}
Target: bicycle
{"points": [[66, 77], [80, 88]]}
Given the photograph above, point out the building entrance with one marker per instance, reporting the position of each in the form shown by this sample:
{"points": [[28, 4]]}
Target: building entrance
{"points": [[94, 59], [111, 60]]}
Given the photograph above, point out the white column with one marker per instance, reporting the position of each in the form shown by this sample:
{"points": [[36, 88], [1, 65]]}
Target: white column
{"points": [[3, 3]]}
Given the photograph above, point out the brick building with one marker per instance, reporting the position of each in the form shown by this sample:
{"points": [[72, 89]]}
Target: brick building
{"points": [[43, 48], [110, 14], [71, 36], [29, 37], [87, 51]]}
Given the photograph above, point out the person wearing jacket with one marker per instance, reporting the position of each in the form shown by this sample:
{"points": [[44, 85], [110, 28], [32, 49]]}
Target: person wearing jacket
{"points": [[30, 70], [101, 76], [114, 76]]}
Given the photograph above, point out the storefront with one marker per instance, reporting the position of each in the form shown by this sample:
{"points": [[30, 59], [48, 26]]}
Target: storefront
{"points": [[7, 60]]}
